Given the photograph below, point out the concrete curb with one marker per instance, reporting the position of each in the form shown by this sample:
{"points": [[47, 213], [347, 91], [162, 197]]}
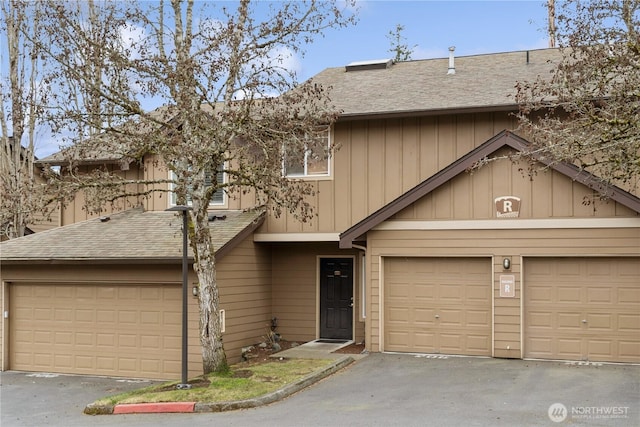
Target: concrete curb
{"points": [[173, 407], [151, 408]]}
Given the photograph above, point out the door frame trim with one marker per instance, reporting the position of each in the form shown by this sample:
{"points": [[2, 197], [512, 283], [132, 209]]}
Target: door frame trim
{"points": [[319, 258]]}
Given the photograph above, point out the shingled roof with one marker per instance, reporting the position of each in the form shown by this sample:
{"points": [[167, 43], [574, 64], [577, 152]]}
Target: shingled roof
{"points": [[133, 236], [480, 82]]}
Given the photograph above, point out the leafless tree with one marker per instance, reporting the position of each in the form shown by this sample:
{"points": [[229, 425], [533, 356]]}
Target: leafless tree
{"points": [[587, 112], [225, 97], [25, 199]]}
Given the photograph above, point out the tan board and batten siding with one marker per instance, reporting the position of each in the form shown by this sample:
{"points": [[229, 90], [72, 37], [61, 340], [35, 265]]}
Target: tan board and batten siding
{"points": [[555, 230], [296, 289], [378, 160]]}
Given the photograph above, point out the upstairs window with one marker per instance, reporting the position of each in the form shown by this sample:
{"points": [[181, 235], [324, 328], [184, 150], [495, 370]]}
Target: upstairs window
{"points": [[312, 161], [219, 197]]}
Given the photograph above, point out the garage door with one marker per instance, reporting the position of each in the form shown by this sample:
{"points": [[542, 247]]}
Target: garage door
{"points": [[124, 330], [582, 309], [437, 305]]}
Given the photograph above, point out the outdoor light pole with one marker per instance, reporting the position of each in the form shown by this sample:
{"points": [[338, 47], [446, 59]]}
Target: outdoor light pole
{"points": [[185, 275]]}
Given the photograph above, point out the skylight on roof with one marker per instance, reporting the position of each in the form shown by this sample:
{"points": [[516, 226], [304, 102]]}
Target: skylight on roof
{"points": [[375, 64]]}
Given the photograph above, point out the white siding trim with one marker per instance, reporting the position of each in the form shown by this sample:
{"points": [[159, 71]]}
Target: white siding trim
{"points": [[296, 237], [513, 224]]}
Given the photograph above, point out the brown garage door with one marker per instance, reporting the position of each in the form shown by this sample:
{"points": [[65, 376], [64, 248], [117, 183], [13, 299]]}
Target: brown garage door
{"points": [[123, 330], [437, 305], [582, 309]]}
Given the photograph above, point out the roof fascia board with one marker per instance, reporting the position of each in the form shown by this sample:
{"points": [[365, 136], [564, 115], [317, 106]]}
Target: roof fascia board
{"points": [[425, 113], [78, 162], [93, 261], [594, 183]]}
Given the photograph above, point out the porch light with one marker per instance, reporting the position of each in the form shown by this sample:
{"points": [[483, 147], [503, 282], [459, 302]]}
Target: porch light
{"points": [[506, 263]]}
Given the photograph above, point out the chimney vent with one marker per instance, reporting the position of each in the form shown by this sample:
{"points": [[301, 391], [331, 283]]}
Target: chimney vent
{"points": [[452, 67]]}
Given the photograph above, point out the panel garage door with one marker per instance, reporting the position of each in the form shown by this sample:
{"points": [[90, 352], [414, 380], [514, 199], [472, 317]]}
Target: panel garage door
{"points": [[582, 309], [123, 330], [437, 305]]}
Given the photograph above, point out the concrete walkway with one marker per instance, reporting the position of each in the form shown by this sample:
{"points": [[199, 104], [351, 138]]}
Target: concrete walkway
{"points": [[317, 350]]}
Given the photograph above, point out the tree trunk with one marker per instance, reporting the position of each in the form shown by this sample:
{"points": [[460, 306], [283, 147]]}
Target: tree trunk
{"points": [[213, 356]]}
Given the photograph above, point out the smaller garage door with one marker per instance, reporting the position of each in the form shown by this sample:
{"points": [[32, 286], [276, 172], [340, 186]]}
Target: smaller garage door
{"points": [[123, 330], [437, 305], [582, 309]]}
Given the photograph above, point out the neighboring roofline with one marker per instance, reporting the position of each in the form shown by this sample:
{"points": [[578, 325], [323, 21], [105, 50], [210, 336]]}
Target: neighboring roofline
{"points": [[65, 162], [502, 139], [423, 113]]}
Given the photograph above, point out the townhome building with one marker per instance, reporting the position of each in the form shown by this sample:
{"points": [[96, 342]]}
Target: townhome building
{"points": [[412, 250]]}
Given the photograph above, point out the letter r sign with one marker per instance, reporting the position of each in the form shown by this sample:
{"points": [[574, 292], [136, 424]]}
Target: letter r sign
{"points": [[507, 286], [507, 206]]}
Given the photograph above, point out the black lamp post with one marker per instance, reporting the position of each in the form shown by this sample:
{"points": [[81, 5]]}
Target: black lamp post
{"points": [[185, 274]]}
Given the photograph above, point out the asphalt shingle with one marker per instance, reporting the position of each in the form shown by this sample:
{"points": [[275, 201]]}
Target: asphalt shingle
{"points": [[480, 81], [133, 235]]}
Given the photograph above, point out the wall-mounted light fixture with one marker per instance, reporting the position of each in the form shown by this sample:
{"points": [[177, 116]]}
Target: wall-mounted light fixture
{"points": [[506, 263], [194, 291]]}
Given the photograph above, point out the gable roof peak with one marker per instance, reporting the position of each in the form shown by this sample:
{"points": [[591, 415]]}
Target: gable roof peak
{"points": [[503, 139]]}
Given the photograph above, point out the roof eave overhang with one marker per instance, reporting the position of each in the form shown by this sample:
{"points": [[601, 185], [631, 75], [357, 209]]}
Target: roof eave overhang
{"points": [[78, 162], [94, 261], [423, 113]]}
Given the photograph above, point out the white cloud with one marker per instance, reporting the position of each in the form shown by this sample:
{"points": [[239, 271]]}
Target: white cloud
{"points": [[131, 39]]}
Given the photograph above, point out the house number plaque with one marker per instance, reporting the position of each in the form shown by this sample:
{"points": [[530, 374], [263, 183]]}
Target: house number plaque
{"points": [[507, 286], [507, 207]]}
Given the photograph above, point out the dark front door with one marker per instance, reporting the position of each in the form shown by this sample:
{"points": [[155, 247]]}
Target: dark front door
{"points": [[336, 298]]}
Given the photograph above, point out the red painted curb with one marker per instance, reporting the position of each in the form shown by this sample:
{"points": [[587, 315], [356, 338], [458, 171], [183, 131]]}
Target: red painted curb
{"points": [[149, 408]]}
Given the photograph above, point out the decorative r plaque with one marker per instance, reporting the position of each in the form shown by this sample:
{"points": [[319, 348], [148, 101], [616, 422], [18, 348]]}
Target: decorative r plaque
{"points": [[507, 207]]}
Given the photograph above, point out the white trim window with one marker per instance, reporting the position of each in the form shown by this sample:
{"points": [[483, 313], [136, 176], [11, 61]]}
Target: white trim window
{"points": [[313, 161], [219, 197]]}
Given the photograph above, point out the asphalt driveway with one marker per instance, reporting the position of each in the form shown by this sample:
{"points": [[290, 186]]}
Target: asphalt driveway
{"points": [[379, 390]]}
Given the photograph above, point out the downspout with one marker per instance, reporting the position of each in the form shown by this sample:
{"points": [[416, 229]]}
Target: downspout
{"points": [[363, 290]]}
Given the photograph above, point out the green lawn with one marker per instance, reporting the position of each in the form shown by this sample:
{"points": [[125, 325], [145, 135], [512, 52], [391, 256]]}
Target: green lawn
{"points": [[244, 381]]}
